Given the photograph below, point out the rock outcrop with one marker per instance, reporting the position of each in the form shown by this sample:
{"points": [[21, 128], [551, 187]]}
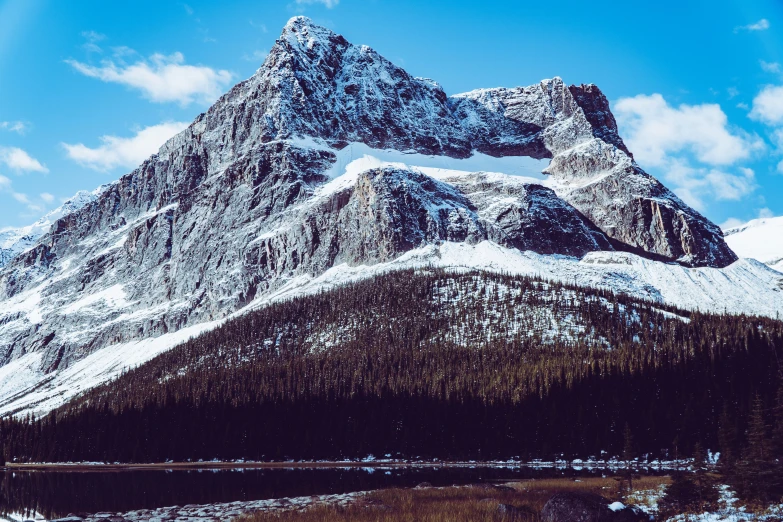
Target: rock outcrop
{"points": [[586, 507], [591, 168]]}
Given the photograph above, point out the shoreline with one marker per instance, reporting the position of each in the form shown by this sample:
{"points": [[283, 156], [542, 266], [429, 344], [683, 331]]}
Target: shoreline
{"points": [[64, 466], [375, 464]]}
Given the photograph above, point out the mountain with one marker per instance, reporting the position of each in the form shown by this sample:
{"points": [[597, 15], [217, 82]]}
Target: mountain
{"points": [[329, 165], [760, 239]]}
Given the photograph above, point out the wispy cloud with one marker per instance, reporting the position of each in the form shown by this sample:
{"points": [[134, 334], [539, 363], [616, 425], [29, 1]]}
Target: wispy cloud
{"points": [[763, 213], [129, 152], [328, 3], [693, 147], [768, 105], [18, 127], [33, 205], [92, 38], [162, 78], [697, 185], [771, 67], [17, 159], [761, 25]]}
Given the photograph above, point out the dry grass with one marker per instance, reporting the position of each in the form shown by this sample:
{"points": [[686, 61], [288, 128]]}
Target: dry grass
{"points": [[456, 504]]}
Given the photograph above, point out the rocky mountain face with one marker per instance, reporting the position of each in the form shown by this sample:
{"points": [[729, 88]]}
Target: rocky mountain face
{"points": [[591, 168], [253, 194]]}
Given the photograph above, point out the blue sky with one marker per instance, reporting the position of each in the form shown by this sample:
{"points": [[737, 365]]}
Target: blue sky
{"points": [[89, 88]]}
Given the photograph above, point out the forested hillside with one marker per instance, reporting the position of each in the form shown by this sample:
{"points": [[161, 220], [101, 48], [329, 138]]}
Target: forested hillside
{"points": [[428, 363]]}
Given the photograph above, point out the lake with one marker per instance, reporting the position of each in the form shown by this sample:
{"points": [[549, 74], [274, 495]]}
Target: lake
{"points": [[58, 493]]}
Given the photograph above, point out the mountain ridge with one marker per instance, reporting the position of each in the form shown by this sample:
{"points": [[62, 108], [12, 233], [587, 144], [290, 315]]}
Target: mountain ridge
{"points": [[284, 179]]}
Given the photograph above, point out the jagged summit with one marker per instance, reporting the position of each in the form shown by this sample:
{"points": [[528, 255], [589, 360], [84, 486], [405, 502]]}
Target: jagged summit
{"points": [[314, 83], [332, 160]]}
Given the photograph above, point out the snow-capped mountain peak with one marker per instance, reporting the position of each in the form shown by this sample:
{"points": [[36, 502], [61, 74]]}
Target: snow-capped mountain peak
{"points": [[760, 239]]}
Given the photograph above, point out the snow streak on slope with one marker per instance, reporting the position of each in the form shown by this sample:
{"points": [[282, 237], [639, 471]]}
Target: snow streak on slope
{"points": [[760, 239], [26, 389], [347, 157]]}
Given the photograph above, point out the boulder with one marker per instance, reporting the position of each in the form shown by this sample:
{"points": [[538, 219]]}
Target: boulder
{"points": [[587, 507]]}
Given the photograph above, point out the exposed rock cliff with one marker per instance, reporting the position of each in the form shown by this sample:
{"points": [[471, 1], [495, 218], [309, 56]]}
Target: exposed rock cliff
{"points": [[591, 167]]}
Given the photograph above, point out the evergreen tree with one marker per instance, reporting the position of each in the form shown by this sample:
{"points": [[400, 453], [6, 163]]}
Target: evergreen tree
{"points": [[727, 440], [777, 424], [705, 487], [754, 473], [629, 454]]}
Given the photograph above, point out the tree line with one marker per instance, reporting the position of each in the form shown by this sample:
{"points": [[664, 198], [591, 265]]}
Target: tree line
{"points": [[430, 364]]}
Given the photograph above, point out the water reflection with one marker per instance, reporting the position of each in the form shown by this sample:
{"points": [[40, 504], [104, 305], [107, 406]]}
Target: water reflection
{"points": [[57, 493]]}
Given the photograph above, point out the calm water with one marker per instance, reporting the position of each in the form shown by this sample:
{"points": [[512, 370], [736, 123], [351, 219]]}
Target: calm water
{"points": [[56, 493]]}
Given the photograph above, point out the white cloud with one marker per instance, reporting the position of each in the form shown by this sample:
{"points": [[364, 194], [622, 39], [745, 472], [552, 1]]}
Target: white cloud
{"points": [[770, 67], [696, 185], [655, 130], [763, 213], [731, 223], [768, 105], [761, 25], [130, 152], [21, 198], [692, 147], [46, 197], [777, 138], [19, 160], [162, 78], [93, 36], [33, 206], [18, 127], [328, 3]]}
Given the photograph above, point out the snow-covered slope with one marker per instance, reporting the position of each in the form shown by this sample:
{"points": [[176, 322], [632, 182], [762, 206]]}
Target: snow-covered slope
{"points": [[14, 241], [760, 239], [746, 286]]}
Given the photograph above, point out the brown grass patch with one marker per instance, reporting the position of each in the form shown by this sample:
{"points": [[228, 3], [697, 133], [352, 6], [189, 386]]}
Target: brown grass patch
{"points": [[456, 504]]}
